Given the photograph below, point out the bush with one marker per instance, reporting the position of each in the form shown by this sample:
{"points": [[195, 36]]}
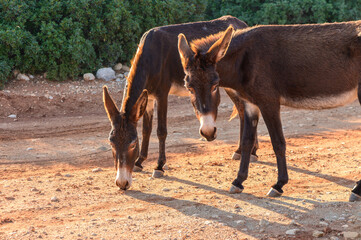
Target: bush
{"points": [[68, 38]]}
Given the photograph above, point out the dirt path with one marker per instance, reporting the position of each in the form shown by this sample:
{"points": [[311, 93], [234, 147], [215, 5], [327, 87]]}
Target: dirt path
{"points": [[60, 135]]}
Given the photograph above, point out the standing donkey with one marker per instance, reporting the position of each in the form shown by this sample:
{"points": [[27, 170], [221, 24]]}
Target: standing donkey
{"points": [[313, 66], [156, 72]]}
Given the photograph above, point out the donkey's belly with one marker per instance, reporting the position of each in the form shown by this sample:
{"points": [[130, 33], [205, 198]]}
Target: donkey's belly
{"points": [[321, 102]]}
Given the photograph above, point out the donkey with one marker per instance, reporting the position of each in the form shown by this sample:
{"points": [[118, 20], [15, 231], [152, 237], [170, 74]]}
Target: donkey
{"points": [[157, 68], [312, 66]]}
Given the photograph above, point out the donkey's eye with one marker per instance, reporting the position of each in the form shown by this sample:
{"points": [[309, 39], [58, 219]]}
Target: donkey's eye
{"points": [[133, 144], [214, 88], [191, 90]]}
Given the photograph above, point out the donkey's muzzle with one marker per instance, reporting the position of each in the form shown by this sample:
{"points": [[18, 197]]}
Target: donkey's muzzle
{"points": [[210, 136]]}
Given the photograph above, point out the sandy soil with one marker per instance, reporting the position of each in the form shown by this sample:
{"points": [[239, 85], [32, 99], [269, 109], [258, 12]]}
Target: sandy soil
{"points": [[60, 135]]}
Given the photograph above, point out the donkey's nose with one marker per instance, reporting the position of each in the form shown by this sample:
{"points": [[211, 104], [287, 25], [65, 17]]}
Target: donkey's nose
{"points": [[122, 185], [210, 136]]}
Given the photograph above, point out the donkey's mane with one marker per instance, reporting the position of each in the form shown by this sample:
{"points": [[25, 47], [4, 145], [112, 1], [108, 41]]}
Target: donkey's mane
{"points": [[203, 44]]}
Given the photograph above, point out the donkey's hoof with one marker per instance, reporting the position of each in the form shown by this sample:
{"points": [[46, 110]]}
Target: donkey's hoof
{"points": [[158, 173], [236, 156], [253, 158], [274, 193], [354, 197], [235, 189], [137, 168]]}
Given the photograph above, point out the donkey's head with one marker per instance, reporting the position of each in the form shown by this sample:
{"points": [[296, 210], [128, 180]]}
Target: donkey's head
{"points": [[201, 78], [123, 136]]}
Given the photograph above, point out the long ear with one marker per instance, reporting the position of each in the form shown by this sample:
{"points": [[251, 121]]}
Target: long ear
{"points": [[219, 48], [109, 105], [185, 52], [139, 107]]}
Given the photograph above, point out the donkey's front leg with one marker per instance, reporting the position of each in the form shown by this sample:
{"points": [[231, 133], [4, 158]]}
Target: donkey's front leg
{"points": [[146, 131], [251, 117], [356, 193], [271, 116], [162, 134]]}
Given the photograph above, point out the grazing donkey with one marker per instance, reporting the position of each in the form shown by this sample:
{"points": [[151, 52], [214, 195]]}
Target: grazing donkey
{"points": [[157, 68], [313, 66]]}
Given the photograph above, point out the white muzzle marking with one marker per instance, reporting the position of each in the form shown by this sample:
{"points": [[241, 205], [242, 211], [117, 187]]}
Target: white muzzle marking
{"points": [[124, 178], [207, 124]]}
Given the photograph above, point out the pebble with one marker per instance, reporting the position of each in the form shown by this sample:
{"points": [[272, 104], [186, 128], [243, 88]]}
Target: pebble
{"points": [[29, 149], [118, 67], [125, 68], [165, 189], [120, 75], [22, 77], [345, 226], [54, 199], [12, 116], [350, 235], [34, 190], [207, 222], [240, 221], [292, 231], [317, 234], [9, 198], [325, 224], [106, 74], [58, 190], [263, 223], [97, 170]]}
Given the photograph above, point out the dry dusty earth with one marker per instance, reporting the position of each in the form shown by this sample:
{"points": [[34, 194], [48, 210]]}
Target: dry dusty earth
{"points": [[60, 136]]}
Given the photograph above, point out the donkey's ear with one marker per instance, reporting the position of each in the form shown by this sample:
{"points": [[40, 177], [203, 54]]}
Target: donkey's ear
{"points": [[139, 107], [109, 105], [219, 48], [185, 52]]}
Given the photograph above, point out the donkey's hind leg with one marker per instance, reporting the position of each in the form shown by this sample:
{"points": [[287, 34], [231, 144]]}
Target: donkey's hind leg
{"points": [[356, 193], [147, 130], [239, 105]]}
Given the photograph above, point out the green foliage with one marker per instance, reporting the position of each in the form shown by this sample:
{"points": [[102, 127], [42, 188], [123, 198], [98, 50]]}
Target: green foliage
{"points": [[286, 11], [68, 38]]}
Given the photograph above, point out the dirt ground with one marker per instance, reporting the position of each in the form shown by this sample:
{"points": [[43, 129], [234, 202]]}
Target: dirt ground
{"points": [[48, 188]]}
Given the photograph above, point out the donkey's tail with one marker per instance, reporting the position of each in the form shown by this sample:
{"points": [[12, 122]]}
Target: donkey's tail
{"points": [[359, 91], [235, 112]]}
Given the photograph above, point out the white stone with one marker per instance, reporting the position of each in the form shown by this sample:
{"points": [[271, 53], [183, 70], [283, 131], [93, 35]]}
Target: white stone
{"points": [[350, 235], [126, 74], [88, 77], [12, 116], [317, 234], [22, 77], [325, 224], [106, 74], [292, 231], [120, 75], [29, 149], [54, 199], [118, 67], [97, 170], [126, 68]]}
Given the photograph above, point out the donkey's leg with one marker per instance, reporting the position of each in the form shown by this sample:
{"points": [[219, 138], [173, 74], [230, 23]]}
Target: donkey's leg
{"points": [[356, 193], [147, 130], [271, 116], [162, 133], [251, 117], [239, 104]]}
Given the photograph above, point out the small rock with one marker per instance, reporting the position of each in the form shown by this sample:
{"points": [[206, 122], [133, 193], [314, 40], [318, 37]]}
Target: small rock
{"points": [[207, 222], [10, 198], [54, 199], [111, 220], [165, 189], [58, 190], [325, 224], [31, 229], [22, 77], [292, 231], [58, 174], [16, 73], [29, 149], [240, 221], [120, 75], [345, 226], [317, 234], [125, 68], [118, 80], [263, 223], [97, 170], [34, 190], [88, 77], [31, 76], [106, 74], [68, 175], [350, 235], [126, 74], [12, 116], [102, 148], [29, 179], [334, 238], [118, 67]]}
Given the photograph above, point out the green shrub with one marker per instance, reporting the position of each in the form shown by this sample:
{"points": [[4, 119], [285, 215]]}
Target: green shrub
{"points": [[68, 38]]}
